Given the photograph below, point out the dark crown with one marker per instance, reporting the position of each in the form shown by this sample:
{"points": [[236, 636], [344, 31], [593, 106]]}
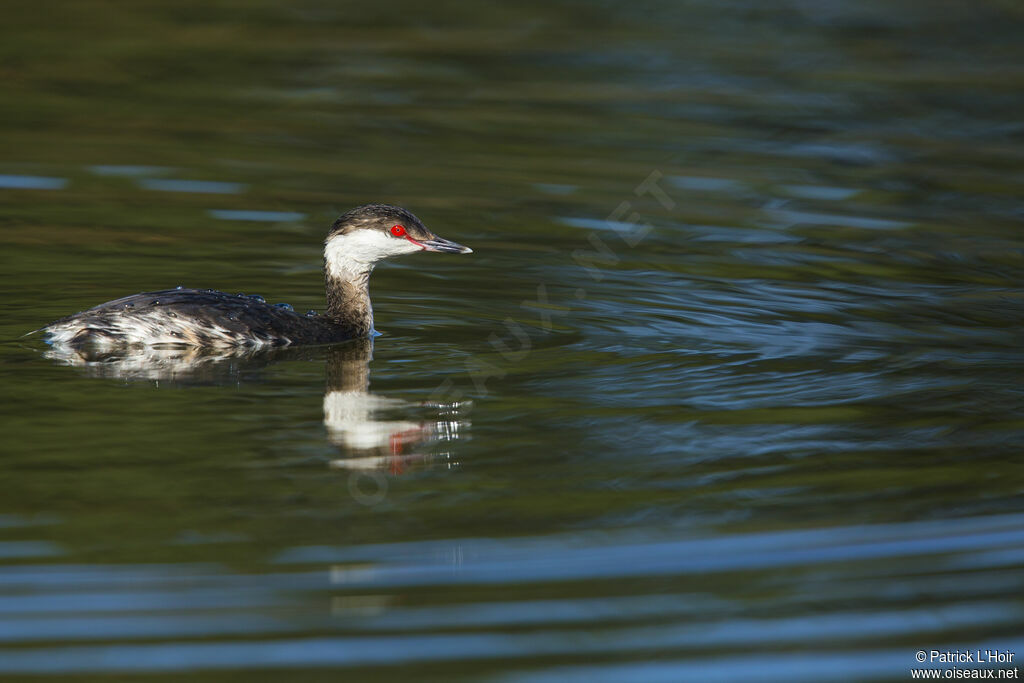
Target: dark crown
{"points": [[378, 217]]}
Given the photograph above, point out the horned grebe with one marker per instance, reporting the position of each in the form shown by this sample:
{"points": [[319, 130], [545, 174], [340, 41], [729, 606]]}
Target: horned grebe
{"points": [[207, 318]]}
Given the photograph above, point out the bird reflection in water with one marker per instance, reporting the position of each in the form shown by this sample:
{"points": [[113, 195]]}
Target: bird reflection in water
{"points": [[369, 428], [370, 431]]}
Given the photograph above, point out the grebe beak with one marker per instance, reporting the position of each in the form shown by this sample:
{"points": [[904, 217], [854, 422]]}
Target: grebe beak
{"points": [[446, 246]]}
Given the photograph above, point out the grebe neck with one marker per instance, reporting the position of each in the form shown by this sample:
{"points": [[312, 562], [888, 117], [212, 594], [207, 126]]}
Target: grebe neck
{"points": [[348, 294]]}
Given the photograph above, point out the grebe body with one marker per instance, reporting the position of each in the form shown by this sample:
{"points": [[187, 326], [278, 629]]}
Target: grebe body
{"points": [[357, 241]]}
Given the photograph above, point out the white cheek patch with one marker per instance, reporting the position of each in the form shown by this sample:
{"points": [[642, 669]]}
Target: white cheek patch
{"points": [[359, 251]]}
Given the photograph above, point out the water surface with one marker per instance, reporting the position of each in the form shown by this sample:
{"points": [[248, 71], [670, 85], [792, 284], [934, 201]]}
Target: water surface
{"points": [[729, 390]]}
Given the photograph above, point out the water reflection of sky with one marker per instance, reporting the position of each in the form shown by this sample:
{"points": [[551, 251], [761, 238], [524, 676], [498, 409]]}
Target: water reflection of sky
{"points": [[170, 602], [27, 182]]}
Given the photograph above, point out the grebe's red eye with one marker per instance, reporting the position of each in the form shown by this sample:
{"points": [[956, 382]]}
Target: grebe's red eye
{"points": [[397, 230]]}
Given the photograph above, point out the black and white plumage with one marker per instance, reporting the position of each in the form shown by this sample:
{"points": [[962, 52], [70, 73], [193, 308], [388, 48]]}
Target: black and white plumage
{"points": [[206, 318]]}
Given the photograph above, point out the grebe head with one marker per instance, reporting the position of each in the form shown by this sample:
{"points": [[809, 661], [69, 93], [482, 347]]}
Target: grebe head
{"points": [[367, 234]]}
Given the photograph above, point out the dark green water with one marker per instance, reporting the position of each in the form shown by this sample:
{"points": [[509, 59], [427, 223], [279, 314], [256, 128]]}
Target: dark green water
{"points": [[731, 388]]}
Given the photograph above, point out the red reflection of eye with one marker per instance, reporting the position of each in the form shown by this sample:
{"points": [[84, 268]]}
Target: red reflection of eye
{"points": [[397, 230]]}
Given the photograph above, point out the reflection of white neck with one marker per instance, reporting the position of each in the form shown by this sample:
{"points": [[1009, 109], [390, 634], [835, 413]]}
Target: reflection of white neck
{"points": [[370, 443], [349, 418]]}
